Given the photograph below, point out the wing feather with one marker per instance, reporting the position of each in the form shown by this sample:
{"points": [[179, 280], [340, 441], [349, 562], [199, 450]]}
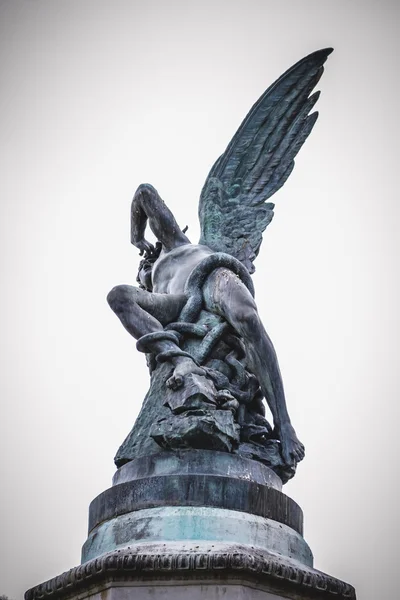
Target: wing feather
{"points": [[260, 157]]}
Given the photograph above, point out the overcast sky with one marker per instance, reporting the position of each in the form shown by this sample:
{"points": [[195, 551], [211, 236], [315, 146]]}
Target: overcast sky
{"points": [[99, 96]]}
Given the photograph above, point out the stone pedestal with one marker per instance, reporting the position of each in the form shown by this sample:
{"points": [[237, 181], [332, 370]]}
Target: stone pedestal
{"points": [[199, 524]]}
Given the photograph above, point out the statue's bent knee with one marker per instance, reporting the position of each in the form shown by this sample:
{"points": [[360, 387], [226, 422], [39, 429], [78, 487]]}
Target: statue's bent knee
{"points": [[119, 296]]}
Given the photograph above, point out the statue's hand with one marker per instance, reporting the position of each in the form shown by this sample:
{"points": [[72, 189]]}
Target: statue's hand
{"points": [[144, 246], [292, 448]]}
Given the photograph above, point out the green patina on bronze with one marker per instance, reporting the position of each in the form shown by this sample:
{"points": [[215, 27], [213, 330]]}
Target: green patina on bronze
{"points": [[211, 361]]}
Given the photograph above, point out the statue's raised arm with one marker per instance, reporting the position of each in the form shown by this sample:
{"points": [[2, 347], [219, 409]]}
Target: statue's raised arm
{"points": [[148, 207], [194, 314]]}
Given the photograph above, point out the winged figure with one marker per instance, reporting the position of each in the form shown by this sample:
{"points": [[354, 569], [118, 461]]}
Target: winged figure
{"points": [[178, 280]]}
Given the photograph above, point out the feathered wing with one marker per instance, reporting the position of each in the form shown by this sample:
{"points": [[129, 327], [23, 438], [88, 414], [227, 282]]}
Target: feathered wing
{"points": [[233, 210]]}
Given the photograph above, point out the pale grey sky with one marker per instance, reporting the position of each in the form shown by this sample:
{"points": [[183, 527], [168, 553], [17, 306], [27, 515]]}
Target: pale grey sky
{"points": [[98, 96]]}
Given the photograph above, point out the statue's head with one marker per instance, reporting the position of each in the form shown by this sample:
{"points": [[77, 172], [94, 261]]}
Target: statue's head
{"points": [[146, 267]]}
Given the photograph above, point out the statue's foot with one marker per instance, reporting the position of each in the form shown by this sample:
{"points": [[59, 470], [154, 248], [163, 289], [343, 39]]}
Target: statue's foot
{"points": [[292, 448], [184, 366]]}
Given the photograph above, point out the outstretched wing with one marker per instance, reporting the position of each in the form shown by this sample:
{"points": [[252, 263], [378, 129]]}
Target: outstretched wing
{"points": [[233, 210]]}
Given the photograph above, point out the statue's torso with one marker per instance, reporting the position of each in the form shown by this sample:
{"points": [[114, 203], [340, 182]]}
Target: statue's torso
{"points": [[172, 269]]}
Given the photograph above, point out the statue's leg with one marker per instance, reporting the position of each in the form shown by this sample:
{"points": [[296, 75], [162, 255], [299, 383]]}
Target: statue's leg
{"points": [[142, 312], [227, 296]]}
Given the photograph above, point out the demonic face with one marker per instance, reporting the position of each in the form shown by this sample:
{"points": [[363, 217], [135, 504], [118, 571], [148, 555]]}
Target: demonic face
{"points": [[145, 268], [144, 275]]}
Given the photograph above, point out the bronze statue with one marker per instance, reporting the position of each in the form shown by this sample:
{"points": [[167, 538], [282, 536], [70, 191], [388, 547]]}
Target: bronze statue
{"points": [[194, 311], [196, 506]]}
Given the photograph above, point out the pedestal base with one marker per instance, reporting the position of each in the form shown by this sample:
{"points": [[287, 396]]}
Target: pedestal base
{"points": [[199, 571], [194, 524], [203, 591]]}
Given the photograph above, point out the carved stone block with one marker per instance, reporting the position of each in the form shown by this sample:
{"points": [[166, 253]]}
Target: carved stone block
{"points": [[211, 430]]}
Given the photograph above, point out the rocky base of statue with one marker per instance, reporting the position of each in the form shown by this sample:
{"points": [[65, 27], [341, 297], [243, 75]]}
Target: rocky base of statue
{"points": [[198, 524], [196, 417]]}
